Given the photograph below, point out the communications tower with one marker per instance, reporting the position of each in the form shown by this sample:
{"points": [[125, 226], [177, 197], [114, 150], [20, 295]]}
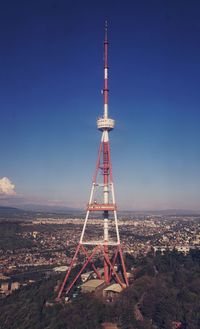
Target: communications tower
{"points": [[101, 201]]}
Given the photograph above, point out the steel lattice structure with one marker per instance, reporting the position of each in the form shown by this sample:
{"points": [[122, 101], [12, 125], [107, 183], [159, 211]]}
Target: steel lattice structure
{"points": [[109, 248]]}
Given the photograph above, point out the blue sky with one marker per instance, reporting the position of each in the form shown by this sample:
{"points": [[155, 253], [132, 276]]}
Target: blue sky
{"points": [[51, 64]]}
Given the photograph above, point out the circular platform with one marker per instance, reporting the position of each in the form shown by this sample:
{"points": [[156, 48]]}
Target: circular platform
{"points": [[105, 124]]}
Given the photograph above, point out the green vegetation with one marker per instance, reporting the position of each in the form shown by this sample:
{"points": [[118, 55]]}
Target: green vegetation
{"points": [[166, 289]]}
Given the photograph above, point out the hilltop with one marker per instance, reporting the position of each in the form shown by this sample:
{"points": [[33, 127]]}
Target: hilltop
{"points": [[164, 295]]}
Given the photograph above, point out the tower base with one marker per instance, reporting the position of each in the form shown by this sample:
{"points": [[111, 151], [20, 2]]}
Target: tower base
{"points": [[111, 272]]}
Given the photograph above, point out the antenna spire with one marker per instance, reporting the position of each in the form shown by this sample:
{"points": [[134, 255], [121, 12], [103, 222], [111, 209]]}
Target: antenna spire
{"points": [[105, 89], [106, 30]]}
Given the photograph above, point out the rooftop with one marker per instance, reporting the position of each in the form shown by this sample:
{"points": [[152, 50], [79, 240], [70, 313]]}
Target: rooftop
{"points": [[115, 287], [94, 283]]}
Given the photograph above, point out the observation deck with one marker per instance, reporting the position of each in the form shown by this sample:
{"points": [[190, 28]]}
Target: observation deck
{"points": [[105, 124]]}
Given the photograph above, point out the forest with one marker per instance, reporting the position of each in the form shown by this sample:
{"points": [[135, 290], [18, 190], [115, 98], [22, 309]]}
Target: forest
{"points": [[165, 291]]}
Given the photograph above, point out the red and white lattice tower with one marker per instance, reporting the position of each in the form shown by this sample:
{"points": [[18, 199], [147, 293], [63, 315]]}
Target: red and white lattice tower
{"points": [[102, 200]]}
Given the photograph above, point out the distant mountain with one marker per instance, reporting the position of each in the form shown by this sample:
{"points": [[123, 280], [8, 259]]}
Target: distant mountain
{"points": [[49, 209], [13, 213], [8, 210], [164, 212], [178, 212], [32, 211]]}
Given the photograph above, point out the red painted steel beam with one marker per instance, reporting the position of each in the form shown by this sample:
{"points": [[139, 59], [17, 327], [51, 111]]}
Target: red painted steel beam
{"points": [[81, 270], [114, 260], [106, 265], [106, 164], [110, 163], [98, 163], [105, 90], [115, 273], [68, 272], [93, 266], [106, 181], [123, 266]]}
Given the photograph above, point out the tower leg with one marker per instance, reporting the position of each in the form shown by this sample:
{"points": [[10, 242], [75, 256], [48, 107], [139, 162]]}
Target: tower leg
{"points": [[123, 266], [114, 261], [113, 270], [93, 266], [88, 260], [106, 267], [68, 272], [81, 270]]}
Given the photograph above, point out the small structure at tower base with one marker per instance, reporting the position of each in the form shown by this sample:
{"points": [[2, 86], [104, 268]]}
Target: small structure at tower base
{"points": [[92, 285]]}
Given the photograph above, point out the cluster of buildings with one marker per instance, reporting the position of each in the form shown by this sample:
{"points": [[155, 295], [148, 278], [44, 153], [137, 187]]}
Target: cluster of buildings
{"points": [[161, 233], [8, 286], [53, 241]]}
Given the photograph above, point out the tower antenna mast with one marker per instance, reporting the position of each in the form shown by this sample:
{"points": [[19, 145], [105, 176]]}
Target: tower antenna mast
{"points": [[105, 90], [109, 249]]}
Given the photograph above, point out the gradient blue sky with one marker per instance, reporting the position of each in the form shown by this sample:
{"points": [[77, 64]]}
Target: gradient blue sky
{"points": [[51, 63]]}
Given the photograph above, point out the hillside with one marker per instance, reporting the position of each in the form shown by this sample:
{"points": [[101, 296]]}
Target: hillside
{"points": [[165, 292], [12, 213]]}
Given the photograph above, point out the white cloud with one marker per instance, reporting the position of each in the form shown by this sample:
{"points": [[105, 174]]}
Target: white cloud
{"points": [[6, 187]]}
